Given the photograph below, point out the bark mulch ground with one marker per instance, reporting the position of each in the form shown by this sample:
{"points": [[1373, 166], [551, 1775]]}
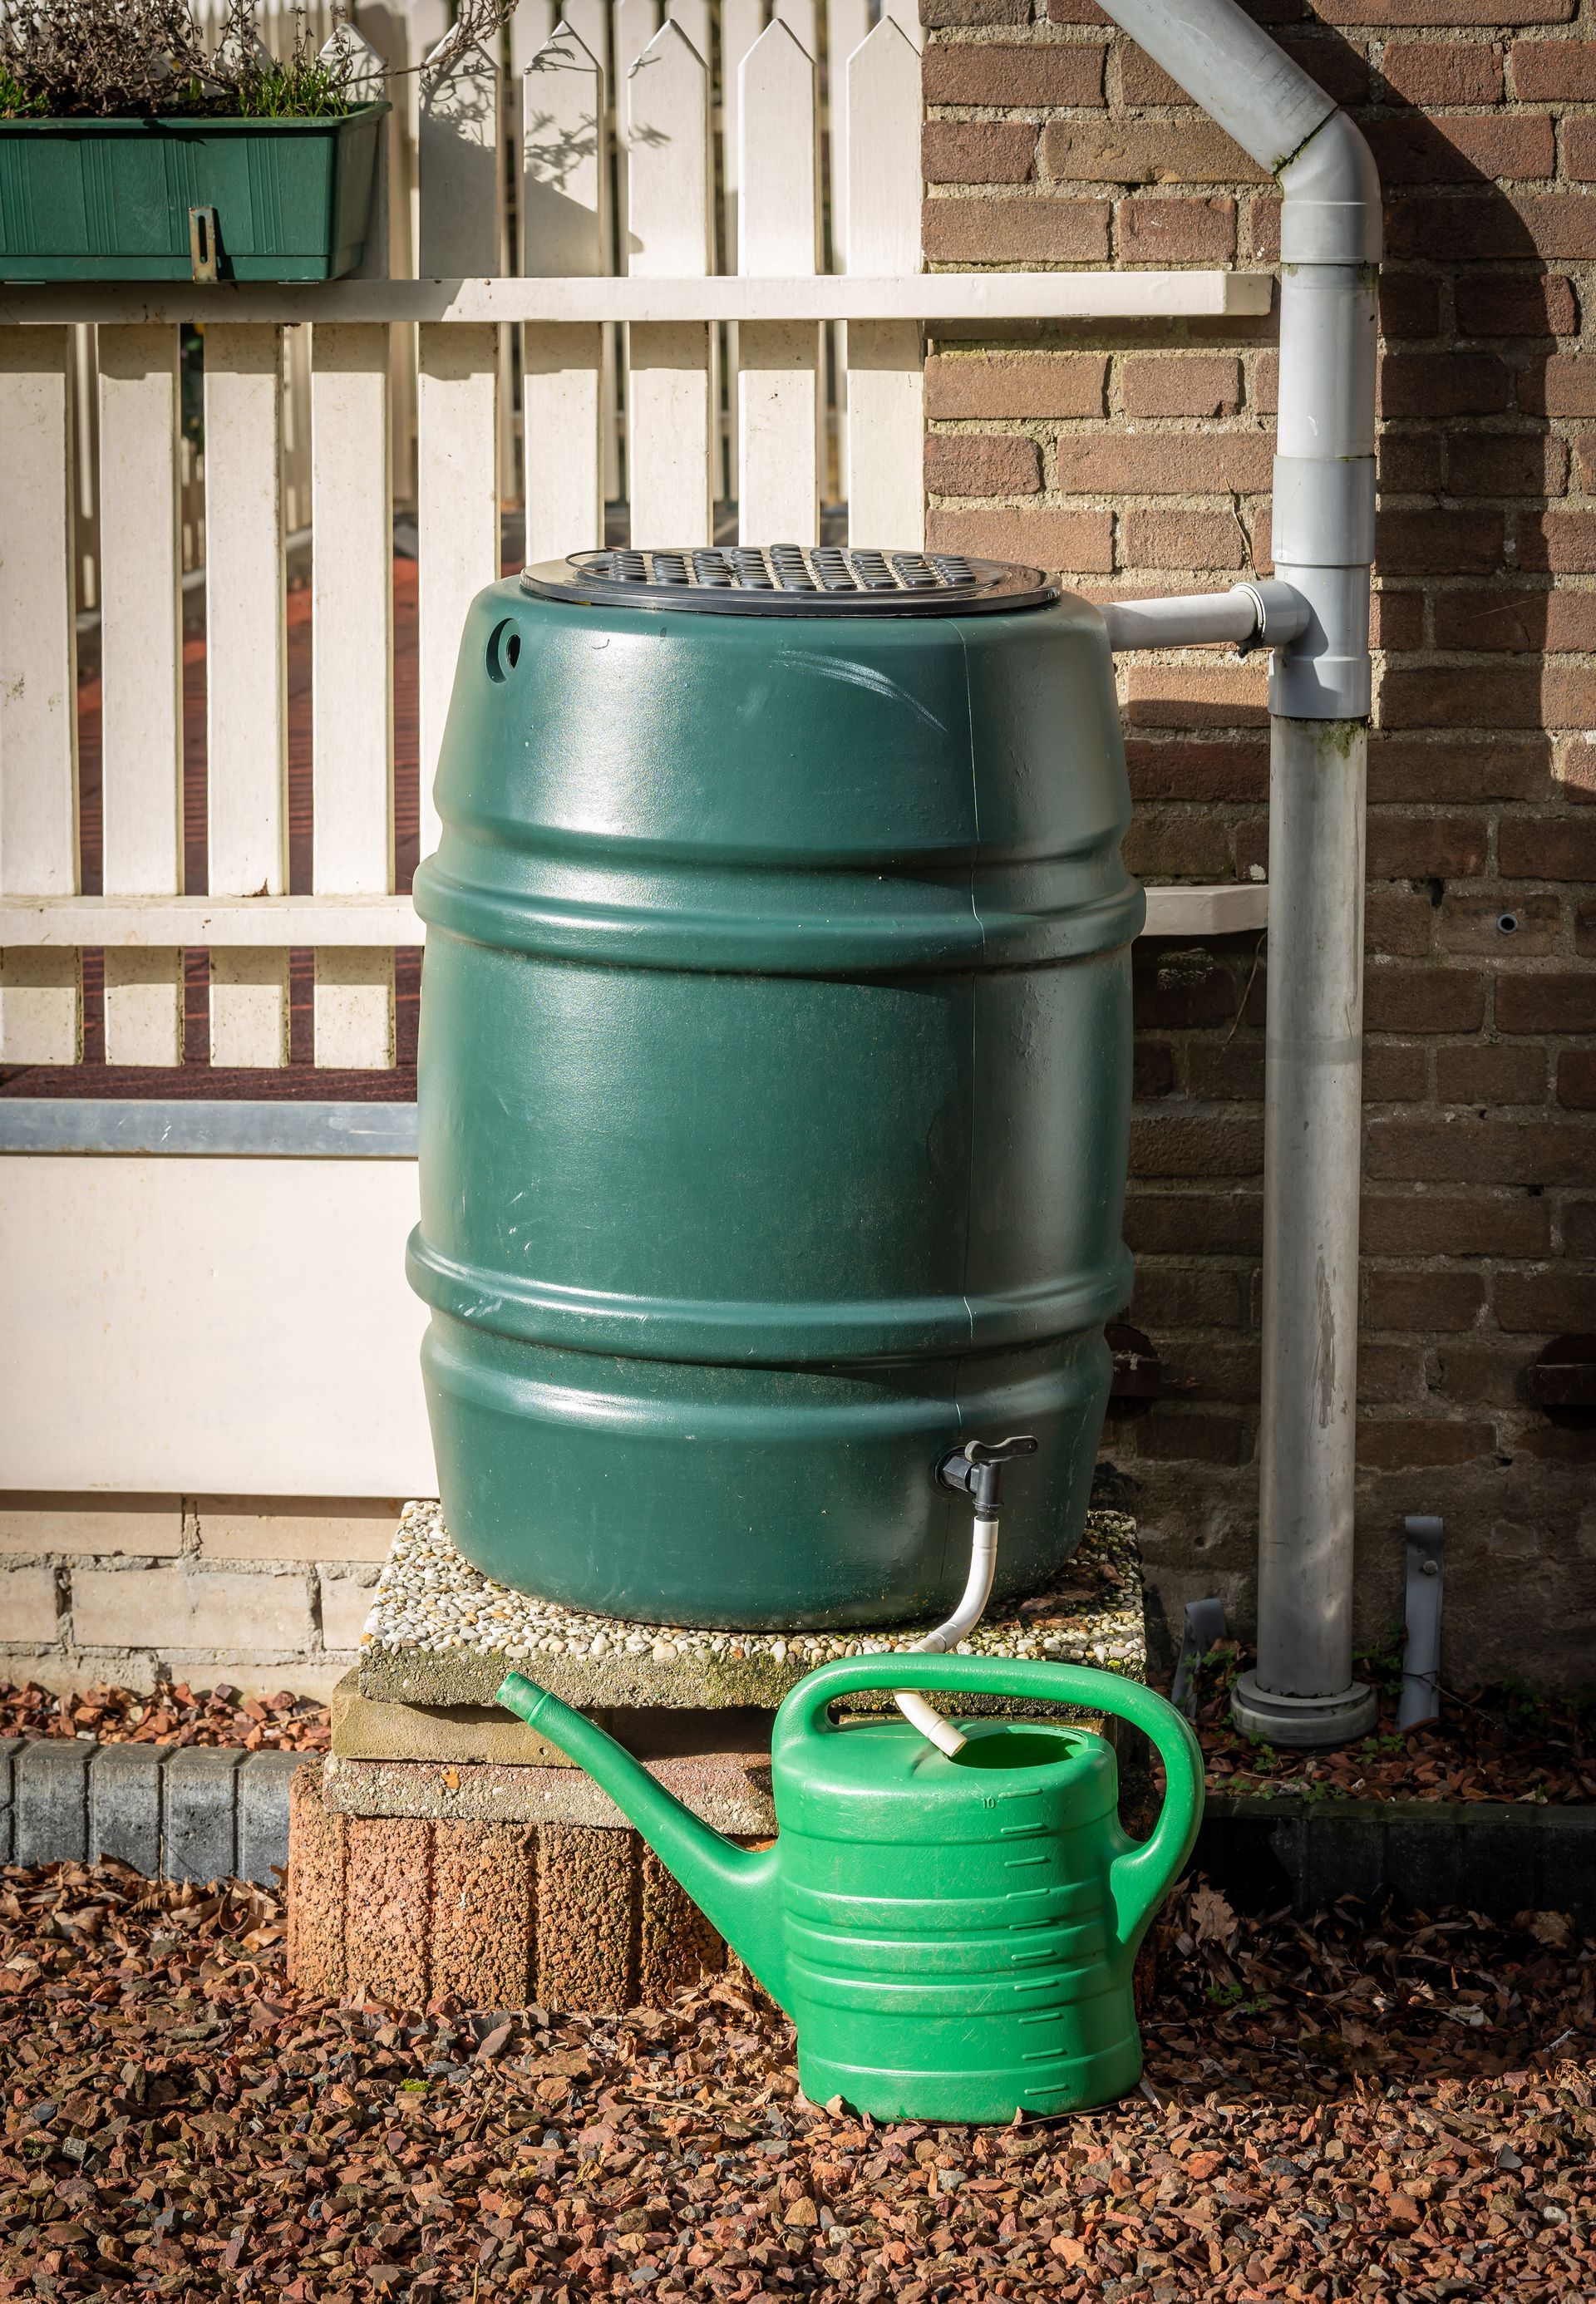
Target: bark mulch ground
{"points": [[173, 1714], [1503, 1743], [1492, 1744], [1373, 2107]]}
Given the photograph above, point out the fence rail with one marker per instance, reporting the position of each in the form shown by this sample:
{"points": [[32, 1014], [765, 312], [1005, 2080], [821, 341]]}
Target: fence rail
{"points": [[597, 284]]}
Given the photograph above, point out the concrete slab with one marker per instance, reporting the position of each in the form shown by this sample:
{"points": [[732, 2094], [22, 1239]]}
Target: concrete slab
{"points": [[442, 1635], [10, 1748], [729, 1789], [201, 1830], [51, 1789], [264, 1780], [125, 1805]]}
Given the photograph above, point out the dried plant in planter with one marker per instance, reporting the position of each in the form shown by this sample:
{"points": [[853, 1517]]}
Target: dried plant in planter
{"points": [[101, 59]]}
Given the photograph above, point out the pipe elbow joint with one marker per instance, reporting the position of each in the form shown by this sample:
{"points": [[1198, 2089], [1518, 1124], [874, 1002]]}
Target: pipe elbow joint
{"points": [[1330, 198]]}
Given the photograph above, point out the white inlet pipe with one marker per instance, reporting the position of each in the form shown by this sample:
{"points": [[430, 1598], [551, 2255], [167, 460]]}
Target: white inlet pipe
{"points": [[1302, 1692], [1255, 614], [971, 1607]]}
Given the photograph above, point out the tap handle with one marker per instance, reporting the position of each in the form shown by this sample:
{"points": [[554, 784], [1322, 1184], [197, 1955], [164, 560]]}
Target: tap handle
{"points": [[976, 1470]]}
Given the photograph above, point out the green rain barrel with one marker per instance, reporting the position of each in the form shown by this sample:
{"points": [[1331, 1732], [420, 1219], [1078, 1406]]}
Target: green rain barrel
{"points": [[774, 1077]]}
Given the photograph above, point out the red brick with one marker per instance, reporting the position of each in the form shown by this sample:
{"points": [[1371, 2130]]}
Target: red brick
{"points": [[1426, 847], [1164, 463], [1547, 1004], [1341, 70], [1433, 72], [1397, 620], [1195, 1223], [1194, 696], [1015, 232], [1189, 1296], [1479, 1151], [1568, 694], [1561, 385], [1518, 621], [1063, 543], [981, 464], [1512, 304], [1474, 924], [1443, 696], [1070, 11], [1152, 231], [1144, 152], [998, 384], [1460, 148], [1398, 999], [1507, 464], [1411, 463], [1579, 149], [1444, 384], [1152, 1069], [1418, 1224], [1011, 78], [1584, 931], [977, 152], [1184, 985], [1576, 773], [482, 1912], [1183, 539], [1180, 384], [1410, 305], [1141, 82], [1557, 72], [1397, 923], [1388, 1373], [1198, 772], [1393, 1444], [1487, 222], [1576, 1089], [1185, 1144], [1423, 1299], [1579, 1228], [1394, 1072], [1437, 543], [1164, 847], [937, 16], [1227, 1071], [1443, 13], [1542, 848], [1192, 1439], [1585, 449], [387, 1926], [1543, 1303]]}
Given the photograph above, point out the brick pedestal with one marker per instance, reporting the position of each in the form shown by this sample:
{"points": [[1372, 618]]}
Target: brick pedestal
{"points": [[411, 1910]]}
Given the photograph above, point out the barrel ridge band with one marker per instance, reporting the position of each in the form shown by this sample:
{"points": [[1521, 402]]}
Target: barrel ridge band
{"points": [[719, 1334]]}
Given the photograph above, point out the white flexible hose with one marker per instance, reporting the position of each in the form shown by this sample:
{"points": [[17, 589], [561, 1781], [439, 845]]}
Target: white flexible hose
{"points": [[978, 1589]]}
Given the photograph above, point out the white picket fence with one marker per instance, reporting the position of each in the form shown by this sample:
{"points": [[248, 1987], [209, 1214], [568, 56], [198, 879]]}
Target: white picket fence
{"points": [[639, 269]]}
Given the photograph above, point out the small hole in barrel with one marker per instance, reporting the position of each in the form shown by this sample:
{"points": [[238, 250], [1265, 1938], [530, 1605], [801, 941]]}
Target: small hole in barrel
{"points": [[503, 650]]}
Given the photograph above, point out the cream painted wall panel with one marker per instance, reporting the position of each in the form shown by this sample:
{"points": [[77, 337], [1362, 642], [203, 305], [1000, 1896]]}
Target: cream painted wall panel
{"points": [[235, 1326]]}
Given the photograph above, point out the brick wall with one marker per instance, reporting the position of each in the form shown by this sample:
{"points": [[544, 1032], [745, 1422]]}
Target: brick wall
{"points": [[1136, 459], [264, 1592]]}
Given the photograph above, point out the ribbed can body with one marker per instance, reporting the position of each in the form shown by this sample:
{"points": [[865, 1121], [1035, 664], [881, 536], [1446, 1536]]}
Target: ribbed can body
{"points": [[774, 1085], [950, 1951]]}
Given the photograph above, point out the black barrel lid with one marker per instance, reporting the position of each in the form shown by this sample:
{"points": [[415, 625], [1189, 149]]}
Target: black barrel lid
{"points": [[790, 580]]}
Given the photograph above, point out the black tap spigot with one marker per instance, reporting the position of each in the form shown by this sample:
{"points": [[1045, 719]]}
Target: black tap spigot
{"points": [[976, 1470]]}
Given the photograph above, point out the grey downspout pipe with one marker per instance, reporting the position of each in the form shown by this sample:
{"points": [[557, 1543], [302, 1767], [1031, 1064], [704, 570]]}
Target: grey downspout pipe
{"points": [[1303, 1691]]}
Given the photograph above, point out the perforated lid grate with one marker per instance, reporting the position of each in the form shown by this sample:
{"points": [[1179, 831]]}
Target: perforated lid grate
{"points": [[791, 580]]}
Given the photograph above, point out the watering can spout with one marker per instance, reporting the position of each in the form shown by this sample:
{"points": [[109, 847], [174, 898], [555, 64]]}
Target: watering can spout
{"points": [[734, 1887]]}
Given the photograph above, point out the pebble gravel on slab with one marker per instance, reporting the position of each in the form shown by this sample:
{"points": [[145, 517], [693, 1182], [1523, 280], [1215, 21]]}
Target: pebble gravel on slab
{"points": [[1394, 2111], [431, 1600]]}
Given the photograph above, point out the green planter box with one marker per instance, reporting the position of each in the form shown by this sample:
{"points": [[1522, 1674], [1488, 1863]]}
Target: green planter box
{"points": [[109, 199]]}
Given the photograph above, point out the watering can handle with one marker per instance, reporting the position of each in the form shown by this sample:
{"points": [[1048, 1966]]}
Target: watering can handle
{"points": [[1139, 1877]]}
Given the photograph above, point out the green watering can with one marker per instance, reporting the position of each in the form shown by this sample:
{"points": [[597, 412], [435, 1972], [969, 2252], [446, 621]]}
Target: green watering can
{"points": [[953, 1937]]}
